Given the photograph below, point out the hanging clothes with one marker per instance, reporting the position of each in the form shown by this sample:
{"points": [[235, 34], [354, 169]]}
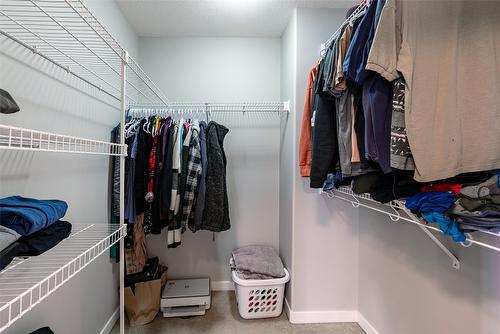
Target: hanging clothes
{"points": [[175, 177], [174, 229], [437, 50], [130, 205], [196, 220], [184, 174], [401, 157], [141, 170], [216, 213], [193, 174], [165, 193], [305, 145], [325, 156]]}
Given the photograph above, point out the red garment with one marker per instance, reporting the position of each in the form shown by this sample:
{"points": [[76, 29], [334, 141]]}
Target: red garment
{"points": [[443, 187], [305, 144], [151, 170]]}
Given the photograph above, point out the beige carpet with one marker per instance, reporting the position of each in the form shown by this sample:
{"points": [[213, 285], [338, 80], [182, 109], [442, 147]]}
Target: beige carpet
{"points": [[223, 318]]}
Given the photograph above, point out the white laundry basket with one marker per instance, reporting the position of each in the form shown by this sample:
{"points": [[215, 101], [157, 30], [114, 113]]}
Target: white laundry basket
{"points": [[260, 298]]}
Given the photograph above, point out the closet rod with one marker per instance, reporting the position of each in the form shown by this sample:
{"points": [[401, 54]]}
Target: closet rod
{"points": [[361, 7]]}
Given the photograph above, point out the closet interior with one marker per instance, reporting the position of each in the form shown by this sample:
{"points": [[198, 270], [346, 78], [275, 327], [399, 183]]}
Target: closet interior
{"points": [[317, 163]]}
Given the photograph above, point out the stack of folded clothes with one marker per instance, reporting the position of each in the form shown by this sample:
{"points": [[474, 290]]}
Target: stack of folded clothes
{"points": [[462, 207], [257, 262], [30, 227], [478, 206]]}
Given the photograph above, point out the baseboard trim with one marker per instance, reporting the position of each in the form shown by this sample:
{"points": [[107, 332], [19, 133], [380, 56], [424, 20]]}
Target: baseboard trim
{"points": [[320, 317], [365, 325], [287, 309], [311, 317], [221, 285], [108, 327]]}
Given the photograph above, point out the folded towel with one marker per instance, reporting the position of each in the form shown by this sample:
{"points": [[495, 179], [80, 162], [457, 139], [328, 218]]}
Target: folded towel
{"points": [[251, 276], [28, 215], [7, 237], [8, 254], [45, 239], [36, 243], [261, 260]]}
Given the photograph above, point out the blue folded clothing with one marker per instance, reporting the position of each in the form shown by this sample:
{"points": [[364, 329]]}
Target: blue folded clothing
{"points": [[28, 215], [432, 205]]}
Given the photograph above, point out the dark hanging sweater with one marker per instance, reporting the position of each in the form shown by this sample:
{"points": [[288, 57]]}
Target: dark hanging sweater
{"points": [[144, 143], [216, 213], [165, 192], [156, 225]]}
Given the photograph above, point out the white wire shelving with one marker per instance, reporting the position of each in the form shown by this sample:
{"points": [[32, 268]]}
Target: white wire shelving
{"points": [[15, 138], [396, 210], [360, 9], [208, 108], [68, 35], [26, 282]]}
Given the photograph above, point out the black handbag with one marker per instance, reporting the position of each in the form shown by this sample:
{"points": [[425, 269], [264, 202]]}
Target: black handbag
{"points": [[7, 103]]}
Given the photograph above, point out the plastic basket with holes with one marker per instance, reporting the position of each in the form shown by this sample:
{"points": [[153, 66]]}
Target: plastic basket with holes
{"points": [[260, 298]]}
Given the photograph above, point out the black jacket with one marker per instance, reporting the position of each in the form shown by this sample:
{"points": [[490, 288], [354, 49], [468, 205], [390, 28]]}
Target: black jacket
{"points": [[165, 191], [325, 156], [216, 213]]}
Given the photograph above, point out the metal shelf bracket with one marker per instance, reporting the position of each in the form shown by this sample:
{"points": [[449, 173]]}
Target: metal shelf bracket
{"points": [[455, 262]]}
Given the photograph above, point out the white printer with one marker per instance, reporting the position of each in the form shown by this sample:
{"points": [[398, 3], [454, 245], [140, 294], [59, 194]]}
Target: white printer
{"points": [[185, 297]]}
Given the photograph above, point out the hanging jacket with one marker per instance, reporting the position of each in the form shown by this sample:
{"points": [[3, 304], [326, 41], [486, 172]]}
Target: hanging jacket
{"points": [[325, 156], [216, 213], [141, 170], [115, 174], [157, 226], [305, 130], [174, 229], [197, 213], [184, 173], [193, 174], [165, 191]]}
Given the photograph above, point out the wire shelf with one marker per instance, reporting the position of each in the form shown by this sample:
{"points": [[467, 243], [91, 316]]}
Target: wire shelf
{"points": [[14, 138], [199, 107], [358, 11], [26, 282], [68, 35], [396, 210]]}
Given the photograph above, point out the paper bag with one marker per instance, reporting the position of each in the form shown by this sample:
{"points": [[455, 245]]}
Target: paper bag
{"points": [[143, 304]]}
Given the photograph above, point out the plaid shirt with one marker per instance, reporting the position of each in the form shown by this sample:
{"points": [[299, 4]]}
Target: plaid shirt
{"points": [[193, 175]]}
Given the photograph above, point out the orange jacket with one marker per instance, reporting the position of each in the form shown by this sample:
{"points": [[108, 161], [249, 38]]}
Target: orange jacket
{"points": [[305, 144]]}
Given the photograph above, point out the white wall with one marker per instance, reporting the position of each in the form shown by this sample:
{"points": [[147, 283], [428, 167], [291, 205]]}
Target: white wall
{"points": [[287, 149], [407, 284], [225, 70], [52, 100], [325, 237]]}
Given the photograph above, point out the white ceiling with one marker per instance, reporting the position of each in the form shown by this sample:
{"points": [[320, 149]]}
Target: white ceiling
{"points": [[216, 18]]}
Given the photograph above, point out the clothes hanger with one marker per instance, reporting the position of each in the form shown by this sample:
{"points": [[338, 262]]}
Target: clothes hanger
{"points": [[147, 124], [132, 125]]}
